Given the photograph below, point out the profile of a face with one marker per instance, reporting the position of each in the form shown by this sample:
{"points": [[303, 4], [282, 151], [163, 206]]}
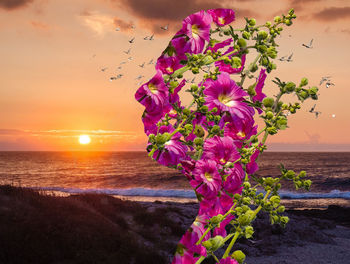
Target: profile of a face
{"points": [[201, 139]]}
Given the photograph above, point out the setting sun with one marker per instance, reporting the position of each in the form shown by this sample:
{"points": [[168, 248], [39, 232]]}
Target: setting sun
{"points": [[84, 139]]}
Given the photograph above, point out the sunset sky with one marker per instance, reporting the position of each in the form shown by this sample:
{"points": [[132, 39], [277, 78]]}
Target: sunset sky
{"points": [[52, 88]]}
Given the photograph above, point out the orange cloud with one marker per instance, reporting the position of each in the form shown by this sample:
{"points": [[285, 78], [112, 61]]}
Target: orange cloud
{"points": [[332, 14], [14, 4]]}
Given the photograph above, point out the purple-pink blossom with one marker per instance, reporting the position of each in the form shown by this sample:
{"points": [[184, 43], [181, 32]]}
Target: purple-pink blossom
{"points": [[227, 67], [153, 94], [220, 149], [227, 96], [197, 28], [167, 65], [258, 88], [222, 16]]}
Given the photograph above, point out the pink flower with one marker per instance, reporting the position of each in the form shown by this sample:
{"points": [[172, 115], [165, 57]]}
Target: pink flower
{"points": [[174, 151], [153, 94], [252, 166], [234, 179], [228, 260], [222, 16], [220, 149], [227, 67], [227, 96], [167, 65], [197, 28], [220, 45], [207, 176], [258, 88]]}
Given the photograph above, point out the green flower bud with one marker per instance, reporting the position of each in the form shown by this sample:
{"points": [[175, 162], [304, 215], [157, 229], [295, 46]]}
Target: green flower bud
{"points": [[304, 94], [302, 174], [290, 174], [271, 130], [230, 165], [198, 141], [199, 131], [214, 243], [195, 70], [288, 22], [248, 232], [194, 88], [262, 48], [189, 127], [313, 90], [277, 19], [252, 22], [186, 112], [215, 129], [264, 61], [236, 62], [246, 185], [290, 87], [208, 60], [217, 219], [237, 197], [239, 256], [304, 81], [292, 110], [269, 115], [241, 42], [291, 12], [151, 137], [195, 57], [214, 110], [275, 200], [268, 102], [246, 35], [271, 52], [307, 184], [268, 24], [284, 219], [281, 209], [243, 220], [204, 109], [262, 34]]}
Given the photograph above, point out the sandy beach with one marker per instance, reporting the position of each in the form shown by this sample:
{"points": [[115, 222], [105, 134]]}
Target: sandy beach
{"points": [[96, 228]]}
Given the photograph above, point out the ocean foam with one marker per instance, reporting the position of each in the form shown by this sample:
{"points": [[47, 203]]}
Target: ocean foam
{"points": [[180, 193]]}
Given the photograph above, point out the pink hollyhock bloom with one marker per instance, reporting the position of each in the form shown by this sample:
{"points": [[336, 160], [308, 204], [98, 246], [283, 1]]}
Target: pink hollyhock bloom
{"points": [[167, 65], [174, 151], [228, 260], [227, 96], [189, 240], [220, 149], [258, 88], [174, 97], [215, 205], [221, 229], [197, 28], [252, 166], [238, 130], [198, 226], [222, 16], [181, 46], [234, 179], [227, 67], [150, 120], [220, 45], [153, 94], [206, 172]]}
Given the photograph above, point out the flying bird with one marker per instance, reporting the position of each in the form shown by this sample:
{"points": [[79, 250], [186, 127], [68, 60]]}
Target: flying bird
{"points": [[104, 69], [127, 51], [326, 78], [283, 58], [317, 113], [328, 84], [123, 62], [139, 77], [142, 65], [165, 27], [312, 109], [146, 38], [150, 62], [130, 58], [309, 46], [117, 29], [131, 40], [133, 26], [289, 59], [151, 37]]}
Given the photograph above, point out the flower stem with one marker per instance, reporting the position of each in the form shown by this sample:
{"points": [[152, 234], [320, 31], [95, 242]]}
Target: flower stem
{"points": [[228, 249], [200, 260]]}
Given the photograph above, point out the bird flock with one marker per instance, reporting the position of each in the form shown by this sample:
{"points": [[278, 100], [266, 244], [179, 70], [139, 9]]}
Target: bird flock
{"points": [[324, 80], [130, 58]]}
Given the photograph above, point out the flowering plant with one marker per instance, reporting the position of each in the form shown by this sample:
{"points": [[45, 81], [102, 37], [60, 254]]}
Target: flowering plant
{"points": [[214, 141]]}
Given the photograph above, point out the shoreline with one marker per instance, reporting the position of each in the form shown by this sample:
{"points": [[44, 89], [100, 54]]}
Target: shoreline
{"points": [[98, 228]]}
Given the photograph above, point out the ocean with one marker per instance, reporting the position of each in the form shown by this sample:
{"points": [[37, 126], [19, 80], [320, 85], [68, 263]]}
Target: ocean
{"points": [[133, 175]]}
